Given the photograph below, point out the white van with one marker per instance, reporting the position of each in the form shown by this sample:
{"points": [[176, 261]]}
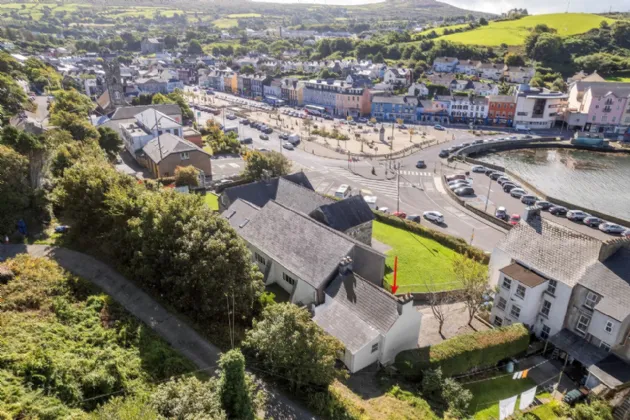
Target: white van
{"points": [[371, 201], [343, 191]]}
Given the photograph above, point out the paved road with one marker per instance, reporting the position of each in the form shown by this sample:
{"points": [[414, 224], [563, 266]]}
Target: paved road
{"points": [[183, 338]]}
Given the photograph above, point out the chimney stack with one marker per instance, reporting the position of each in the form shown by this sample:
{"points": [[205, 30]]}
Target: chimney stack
{"points": [[531, 213], [404, 303], [345, 266]]}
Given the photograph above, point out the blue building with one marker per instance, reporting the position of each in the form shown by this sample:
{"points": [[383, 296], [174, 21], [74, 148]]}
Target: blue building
{"points": [[391, 108]]}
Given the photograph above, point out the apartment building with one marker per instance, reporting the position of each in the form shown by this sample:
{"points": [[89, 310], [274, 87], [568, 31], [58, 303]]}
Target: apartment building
{"points": [[537, 108]]}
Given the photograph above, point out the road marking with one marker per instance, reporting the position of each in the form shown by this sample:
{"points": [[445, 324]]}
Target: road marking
{"points": [[438, 185], [323, 187]]}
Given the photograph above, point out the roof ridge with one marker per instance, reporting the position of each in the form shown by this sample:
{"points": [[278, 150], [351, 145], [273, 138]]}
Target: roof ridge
{"points": [[380, 289]]}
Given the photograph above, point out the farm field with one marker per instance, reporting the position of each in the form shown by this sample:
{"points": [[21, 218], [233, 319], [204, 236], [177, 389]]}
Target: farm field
{"points": [[619, 77], [514, 32], [225, 23], [440, 31], [244, 15]]}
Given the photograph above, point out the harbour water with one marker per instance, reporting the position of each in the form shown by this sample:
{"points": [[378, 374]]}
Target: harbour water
{"points": [[597, 181]]}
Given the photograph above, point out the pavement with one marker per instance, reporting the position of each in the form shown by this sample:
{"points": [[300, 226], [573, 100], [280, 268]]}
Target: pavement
{"points": [[456, 323], [182, 337]]}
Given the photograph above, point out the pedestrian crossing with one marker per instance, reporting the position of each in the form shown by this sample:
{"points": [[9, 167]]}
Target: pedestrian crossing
{"points": [[378, 187], [416, 173]]}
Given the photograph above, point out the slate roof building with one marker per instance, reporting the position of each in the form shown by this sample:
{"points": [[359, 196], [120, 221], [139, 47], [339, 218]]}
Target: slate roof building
{"points": [[568, 287], [163, 154]]}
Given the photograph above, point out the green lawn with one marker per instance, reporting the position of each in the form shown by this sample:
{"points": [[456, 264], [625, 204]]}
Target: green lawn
{"points": [[514, 32], [544, 412], [440, 30], [244, 15], [212, 200], [486, 395], [224, 23], [619, 77], [423, 264]]}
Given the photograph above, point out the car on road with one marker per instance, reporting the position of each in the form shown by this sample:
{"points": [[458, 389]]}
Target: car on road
{"points": [[443, 153], [118, 160], [262, 149], [401, 126], [414, 218], [529, 199], [362, 120], [509, 186], [463, 191], [611, 228], [283, 136], [420, 164], [626, 233], [558, 210], [264, 137], [433, 216], [230, 116], [577, 215], [543, 205], [478, 169], [514, 219], [288, 145], [400, 214], [480, 141], [247, 140], [592, 221], [496, 175], [244, 121], [438, 127], [517, 192], [513, 138], [501, 213]]}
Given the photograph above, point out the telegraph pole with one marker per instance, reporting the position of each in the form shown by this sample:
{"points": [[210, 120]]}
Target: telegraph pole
{"points": [[398, 188], [488, 196]]}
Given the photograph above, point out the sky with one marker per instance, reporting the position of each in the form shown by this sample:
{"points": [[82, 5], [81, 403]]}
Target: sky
{"points": [[498, 6]]}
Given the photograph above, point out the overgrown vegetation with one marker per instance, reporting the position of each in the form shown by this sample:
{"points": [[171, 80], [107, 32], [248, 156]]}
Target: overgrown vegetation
{"points": [[260, 164]]}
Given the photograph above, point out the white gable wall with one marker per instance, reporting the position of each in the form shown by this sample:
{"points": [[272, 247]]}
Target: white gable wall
{"points": [[364, 357], [403, 335]]}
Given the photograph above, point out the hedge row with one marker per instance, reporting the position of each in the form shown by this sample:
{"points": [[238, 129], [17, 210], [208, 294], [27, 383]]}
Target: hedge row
{"points": [[462, 353], [452, 242]]}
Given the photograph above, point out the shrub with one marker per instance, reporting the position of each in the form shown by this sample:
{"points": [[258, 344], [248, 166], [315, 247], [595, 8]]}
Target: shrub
{"points": [[456, 397], [448, 241], [463, 353]]}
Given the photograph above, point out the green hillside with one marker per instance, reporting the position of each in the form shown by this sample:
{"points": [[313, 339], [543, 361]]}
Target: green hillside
{"points": [[513, 32]]}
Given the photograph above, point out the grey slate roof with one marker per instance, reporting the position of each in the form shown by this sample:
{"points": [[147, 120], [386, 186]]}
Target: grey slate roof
{"points": [[341, 322], [169, 144], [150, 118], [578, 348], [611, 279], [554, 250], [297, 242], [344, 214], [260, 192], [240, 213], [128, 112], [612, 371], [371, 303], [298, 197]]}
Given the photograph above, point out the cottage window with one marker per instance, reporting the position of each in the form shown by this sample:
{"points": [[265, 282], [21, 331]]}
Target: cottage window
{"points": [[507, 283], [498, 321], [288, 279], [502, 303], [604, 346], [515, 312], [544, 333], [520, 291], [259, 258], [609, 326], [591, 300], [546, 308], [184, 156], [374, 347], [583, 323], [551, 287]]}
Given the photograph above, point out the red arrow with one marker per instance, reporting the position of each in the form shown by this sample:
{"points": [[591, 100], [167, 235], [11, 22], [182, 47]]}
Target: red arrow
{"points": [[395, 286]]}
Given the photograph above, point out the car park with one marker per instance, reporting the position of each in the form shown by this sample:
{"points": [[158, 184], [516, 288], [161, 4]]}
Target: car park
{"points": [[478, 169], [517, 192], [577, 215], [480, 141], [230, 116], [609, 227], [543, 205], [264, 137], [592, 221], [558, 210], [463, 191], [268, 130], [420, 164], [501, 213], [434, 216], [529, 199], [458, 181], [496, 175], [514, 219], [414, 218]]}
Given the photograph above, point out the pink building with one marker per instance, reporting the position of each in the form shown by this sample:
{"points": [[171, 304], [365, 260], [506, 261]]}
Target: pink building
{"points": [[604, 108], [348, 102]]}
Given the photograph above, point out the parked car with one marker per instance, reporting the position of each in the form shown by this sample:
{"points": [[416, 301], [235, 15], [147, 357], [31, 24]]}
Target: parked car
{"points": [[230, 116], [459, 184], [529, 199], [577, 215], [489, 171], [514, 219], [517, 192], [434, 216], [592, 221], [558, 210], [444, 153], [496, 175], [268, 130], [501, 213], [503, 179], [464, 191], [509, 186], [247, 140], [477, 141], [626, 233], [611, 228], [438, 127], [284, 136], [543, 205], [478, 169], [454, 177], [458, 181], [288, 145], [244, 122], [400, 214], [264, 137], [414, 218], [420, 164]]}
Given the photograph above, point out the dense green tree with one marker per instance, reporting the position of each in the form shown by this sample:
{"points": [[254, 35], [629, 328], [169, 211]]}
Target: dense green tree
{"points": [[257, 163], [513, 59], [233, 386], [247, 69], [78, 126], [110, 141], [621, 33], [194, 47], [289, 345], [188, 398], [170, 41], [71, 101], [69, 153], [187, 175], [547, 47], [12, 97], [604, 63], [483, 21], [130, 408], [14, 189]]}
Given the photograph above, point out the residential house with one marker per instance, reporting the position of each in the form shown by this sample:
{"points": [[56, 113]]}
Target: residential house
{"points": [[537, 108], [468, 67], [292, 91], [519, 74], [397, 76], [392, 108], [445, 64], [418, 90], [151, 46], [492, 71], [604, 105], [485, 89], [152, 85], [273, 89], [585, 77], [349, 101], [569, 288], [501, 109], [433, 110], [164, 153], [148, 124], [323, 93], [467, 109], [125, 115], [193, 136]]}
